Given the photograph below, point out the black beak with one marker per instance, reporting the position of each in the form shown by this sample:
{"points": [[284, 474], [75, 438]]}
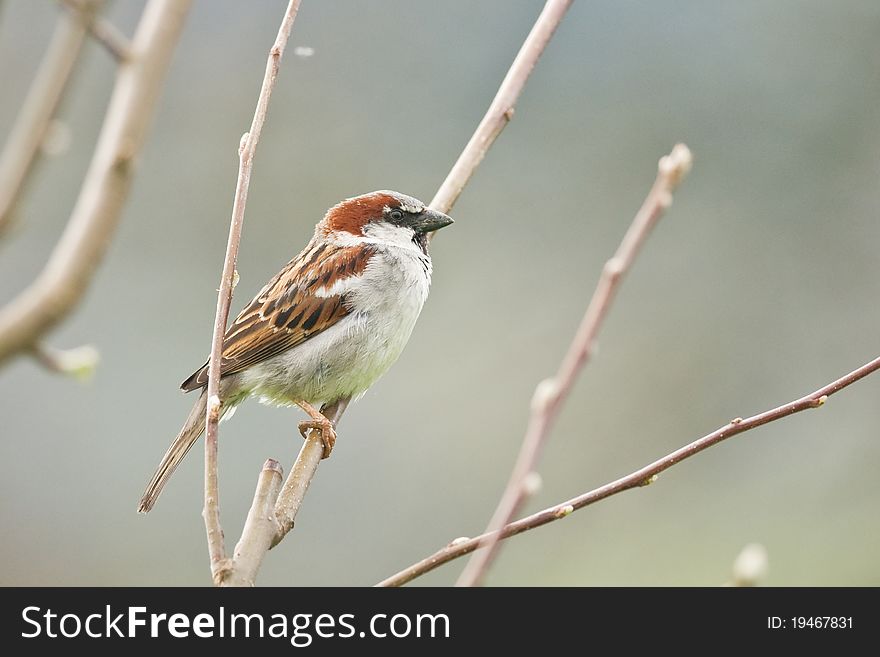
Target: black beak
{"points": [[429, 221]]}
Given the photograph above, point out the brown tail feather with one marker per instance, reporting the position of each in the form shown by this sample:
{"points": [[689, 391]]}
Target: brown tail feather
{"points": [[189, 434]]}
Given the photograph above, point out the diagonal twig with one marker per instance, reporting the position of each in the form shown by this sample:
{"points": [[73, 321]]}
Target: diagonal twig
{"points": [[551, 394], [220, 565], [641, 477], [259, 530], [501, 109], [291, 497]]}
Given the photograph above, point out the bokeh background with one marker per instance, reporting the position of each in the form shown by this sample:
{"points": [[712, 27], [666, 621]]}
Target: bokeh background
{"points": [[760, 285]]}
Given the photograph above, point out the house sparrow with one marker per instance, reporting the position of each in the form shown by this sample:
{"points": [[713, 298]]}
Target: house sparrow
{"points": [[328, 325]]}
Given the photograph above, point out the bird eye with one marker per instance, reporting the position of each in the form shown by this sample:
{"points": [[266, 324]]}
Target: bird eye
{"points": [[396, 215]]}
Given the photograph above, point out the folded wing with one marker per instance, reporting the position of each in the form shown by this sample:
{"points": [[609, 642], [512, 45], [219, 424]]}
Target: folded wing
{"points": [[302, 300]]}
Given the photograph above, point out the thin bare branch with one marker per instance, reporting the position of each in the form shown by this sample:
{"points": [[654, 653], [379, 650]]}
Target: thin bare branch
{"points": [[501, 110], [260, 528], [104, 32], [66, 277], [551, 394], [297, 484], [291, 498], [641, 477], [40, 105], [220, 567]]}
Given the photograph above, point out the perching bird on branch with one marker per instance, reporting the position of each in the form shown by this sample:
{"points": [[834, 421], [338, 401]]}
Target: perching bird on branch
{"points": [[328, 325]]}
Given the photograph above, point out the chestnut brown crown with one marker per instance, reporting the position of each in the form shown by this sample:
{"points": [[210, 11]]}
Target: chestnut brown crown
{"points": [[355, 214]]}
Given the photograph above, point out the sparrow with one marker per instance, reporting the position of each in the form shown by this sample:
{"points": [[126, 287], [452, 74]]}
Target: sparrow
{"points": [[328, 325]]}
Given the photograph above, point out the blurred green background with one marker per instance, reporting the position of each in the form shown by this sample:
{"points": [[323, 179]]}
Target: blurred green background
{"points": [[760, 285]]}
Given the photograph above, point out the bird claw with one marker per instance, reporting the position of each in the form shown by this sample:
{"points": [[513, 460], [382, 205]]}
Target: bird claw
{"points": [[328, 434]]}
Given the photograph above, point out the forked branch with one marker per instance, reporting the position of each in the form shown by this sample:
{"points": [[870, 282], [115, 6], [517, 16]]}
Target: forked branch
{"points": [[64, 280]]}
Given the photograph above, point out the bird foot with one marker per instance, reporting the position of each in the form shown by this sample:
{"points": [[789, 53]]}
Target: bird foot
{"points": [[318, 423]]}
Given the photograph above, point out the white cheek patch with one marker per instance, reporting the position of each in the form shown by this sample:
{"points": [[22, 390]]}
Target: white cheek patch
{"points": [[384, 232]]}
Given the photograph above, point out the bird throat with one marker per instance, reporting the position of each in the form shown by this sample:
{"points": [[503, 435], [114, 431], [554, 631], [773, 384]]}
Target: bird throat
{"points": [[421, 241]]}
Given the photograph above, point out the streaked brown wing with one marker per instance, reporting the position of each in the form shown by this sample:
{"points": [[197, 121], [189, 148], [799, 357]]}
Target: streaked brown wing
{"points": [[286, 312]]}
